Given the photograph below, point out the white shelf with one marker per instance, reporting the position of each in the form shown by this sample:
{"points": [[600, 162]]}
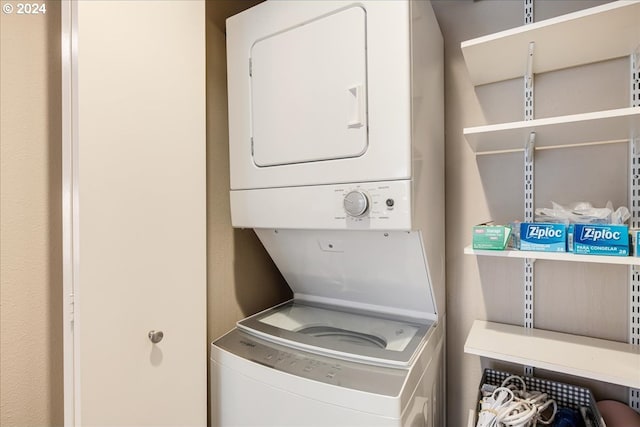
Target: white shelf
{"points": [[602, 360], [577, 129], [556, 256], [596, 34]]}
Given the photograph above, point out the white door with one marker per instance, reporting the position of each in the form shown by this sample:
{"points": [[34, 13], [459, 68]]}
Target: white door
{"points": [[134, 200], [309, 91]]}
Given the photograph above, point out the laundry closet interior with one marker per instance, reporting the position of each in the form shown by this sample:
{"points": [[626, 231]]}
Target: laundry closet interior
{"points": [[362, 205], [230, 256], [488, 184]]}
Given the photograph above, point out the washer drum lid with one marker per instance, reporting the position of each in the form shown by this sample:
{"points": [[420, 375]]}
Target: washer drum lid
{"points": [[340, 332], [377, 271]]}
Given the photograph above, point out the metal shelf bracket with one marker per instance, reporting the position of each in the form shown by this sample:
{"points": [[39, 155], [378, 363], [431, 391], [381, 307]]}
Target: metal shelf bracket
{"points": [[528, 84], [634, 222], [634, 274], [529, 153]]}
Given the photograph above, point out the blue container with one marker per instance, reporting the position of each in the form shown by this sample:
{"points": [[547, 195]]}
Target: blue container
{"points": [[543, 237], [599, 239]]}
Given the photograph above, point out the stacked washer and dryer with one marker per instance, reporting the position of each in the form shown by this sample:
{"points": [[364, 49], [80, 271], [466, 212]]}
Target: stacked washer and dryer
{"points": [[337, 163]]}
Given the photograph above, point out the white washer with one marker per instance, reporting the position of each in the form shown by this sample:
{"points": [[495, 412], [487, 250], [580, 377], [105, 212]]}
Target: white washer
{"points": [[360, 343], [268, 382], [337, 163]]}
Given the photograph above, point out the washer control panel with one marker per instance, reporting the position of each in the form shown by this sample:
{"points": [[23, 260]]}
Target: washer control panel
{"points": [[339, 372]]}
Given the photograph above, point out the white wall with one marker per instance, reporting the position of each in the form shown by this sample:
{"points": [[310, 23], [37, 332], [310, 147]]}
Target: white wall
{"points": [[580, 299], [242, 279]]}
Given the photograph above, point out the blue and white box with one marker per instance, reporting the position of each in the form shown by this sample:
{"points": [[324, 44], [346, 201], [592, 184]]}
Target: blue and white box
{"points": [[601, 239], [543, 237], [635, 242]]}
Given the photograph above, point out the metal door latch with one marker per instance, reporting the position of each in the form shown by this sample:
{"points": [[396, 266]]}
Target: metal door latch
{"points": [[156, 336]]}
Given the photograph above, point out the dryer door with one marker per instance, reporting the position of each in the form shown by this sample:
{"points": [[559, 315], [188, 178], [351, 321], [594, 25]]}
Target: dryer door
{"points": [[309, 91]]}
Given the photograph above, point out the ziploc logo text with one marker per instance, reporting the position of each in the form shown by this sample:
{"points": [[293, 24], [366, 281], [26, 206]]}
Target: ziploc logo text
{"points": [[544, 231], [597, 234]]}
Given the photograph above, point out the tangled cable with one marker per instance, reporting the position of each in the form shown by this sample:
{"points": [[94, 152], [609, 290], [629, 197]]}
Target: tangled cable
{"points": [[506, 406]]}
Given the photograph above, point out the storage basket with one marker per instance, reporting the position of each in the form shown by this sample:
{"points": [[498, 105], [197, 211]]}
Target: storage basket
{"points": [[565, 395]]}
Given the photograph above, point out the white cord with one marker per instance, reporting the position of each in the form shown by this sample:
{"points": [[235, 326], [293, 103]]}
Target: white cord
{"points": [[507, 406], [515, 377]]}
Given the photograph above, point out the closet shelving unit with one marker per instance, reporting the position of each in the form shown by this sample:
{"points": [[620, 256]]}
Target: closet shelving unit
{"points": [[554, 351], [591, 35], [556, 256], [554, 132]]}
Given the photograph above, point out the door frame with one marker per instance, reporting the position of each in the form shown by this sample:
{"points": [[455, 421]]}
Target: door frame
{"points": [[70, 270]]}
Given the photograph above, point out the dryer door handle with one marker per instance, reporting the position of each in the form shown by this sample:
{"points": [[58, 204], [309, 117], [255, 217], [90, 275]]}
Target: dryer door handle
{"points": [[357, 112]]}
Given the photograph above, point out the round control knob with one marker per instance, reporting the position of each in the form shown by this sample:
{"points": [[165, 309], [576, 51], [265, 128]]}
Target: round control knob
{"points": [[356, 203]]}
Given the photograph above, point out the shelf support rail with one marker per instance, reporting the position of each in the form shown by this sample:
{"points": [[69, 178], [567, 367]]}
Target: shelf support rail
{"points": [[528, 210], [635, 78], [634, 222], [528, 11], [528, 176], [634, 272], [528, 84]]}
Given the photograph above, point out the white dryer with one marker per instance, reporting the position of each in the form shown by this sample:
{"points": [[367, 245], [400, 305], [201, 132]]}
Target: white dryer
{"points": [[337, 163]]}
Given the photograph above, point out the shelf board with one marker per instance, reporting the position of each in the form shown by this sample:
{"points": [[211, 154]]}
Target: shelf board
{"points": [[591, 35], [602, 360], [576, 129], [556, 256]]}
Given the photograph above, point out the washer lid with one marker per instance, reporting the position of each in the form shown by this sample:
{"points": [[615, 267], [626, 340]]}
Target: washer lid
{"points": [[337, 332], [383, 272]]}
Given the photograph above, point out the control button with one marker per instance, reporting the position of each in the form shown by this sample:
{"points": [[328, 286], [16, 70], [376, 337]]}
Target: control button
{"points": [[390, 203], [330, 375], [356, 203]]}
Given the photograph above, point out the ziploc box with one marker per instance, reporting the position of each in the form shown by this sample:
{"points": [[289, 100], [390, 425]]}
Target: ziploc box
{"points": [[570, 237], [601, 239], [635, 241], [543, 237], [494, 237]]}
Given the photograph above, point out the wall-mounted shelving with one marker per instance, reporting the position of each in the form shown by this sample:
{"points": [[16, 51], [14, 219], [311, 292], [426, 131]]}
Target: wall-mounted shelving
{"points": [[576, 129], [587, 36], [556, 256], [596, 34], [602, 360]]}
